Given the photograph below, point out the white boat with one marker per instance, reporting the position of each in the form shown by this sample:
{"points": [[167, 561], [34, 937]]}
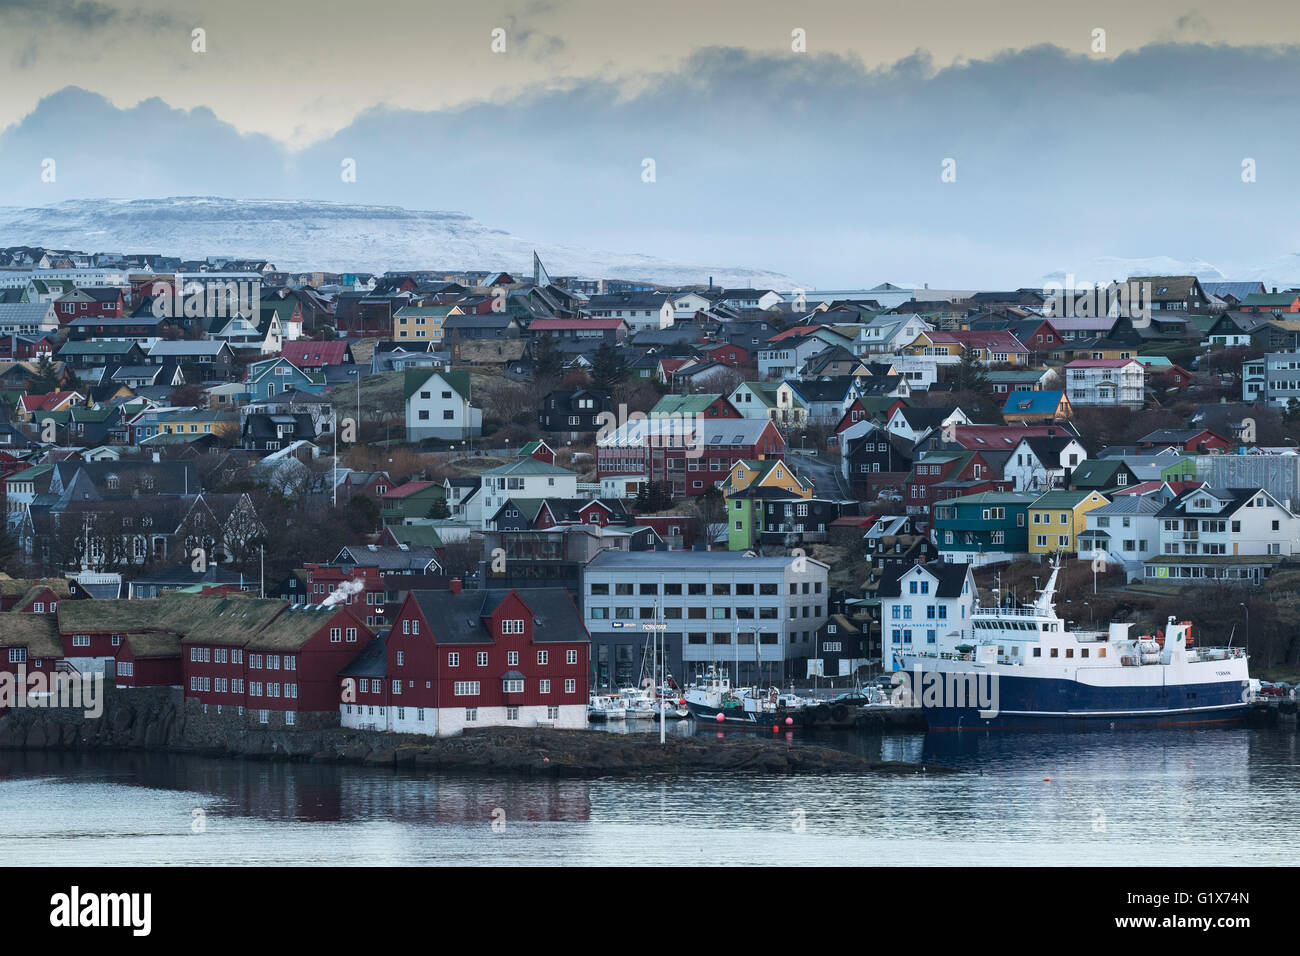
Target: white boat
{"points": [[638, 704], [602, 708]]}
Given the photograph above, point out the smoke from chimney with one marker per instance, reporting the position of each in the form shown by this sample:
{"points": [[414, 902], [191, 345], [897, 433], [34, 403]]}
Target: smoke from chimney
{"points": [[344, 590]]}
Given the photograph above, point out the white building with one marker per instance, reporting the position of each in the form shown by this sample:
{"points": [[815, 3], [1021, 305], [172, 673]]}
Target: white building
{"points": [[523, 478], [1106, 383], [1125, 532], [1040, 464], [1214, 533], [927, 608], [757, 616], [438, 405]]}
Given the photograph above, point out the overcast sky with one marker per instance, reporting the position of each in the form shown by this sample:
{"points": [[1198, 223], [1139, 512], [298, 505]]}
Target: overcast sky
{"points": [[825, 164]]}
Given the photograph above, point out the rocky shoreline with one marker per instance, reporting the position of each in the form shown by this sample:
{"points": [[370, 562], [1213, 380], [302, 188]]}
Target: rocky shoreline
{"points": [[159, 721]]}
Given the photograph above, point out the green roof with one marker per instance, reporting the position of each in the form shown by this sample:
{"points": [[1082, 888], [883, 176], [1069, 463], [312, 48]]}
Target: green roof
{"points": [[1270, 299], [417, 377], [416, 535], [1062, 499], [989, 498], [524, 467], [684, 404]]}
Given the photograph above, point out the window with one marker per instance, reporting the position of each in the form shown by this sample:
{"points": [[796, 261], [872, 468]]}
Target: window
{"points": [[453, 659], [482, 659], [570, 685], [543, 657], [571, 657], [512, 659], [465, 688], [514, 626], [544, 687], [512, 687]]}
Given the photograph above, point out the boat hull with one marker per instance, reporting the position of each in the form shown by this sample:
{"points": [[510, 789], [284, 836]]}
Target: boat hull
{"points": [[1037, 703]]}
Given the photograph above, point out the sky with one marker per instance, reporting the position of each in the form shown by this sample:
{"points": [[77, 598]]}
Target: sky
{"points": [[963, 145]]}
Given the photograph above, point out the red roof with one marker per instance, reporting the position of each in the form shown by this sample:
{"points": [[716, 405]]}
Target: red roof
{"points": [[798, 330], [998, 340], [45, 403], [565, 325], [410, 488], [308, 354]]}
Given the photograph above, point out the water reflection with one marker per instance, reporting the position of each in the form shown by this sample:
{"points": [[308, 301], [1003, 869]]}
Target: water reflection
{"points": [[1176, 796]]}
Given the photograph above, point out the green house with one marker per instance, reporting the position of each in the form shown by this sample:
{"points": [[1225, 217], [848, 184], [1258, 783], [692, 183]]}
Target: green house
{"points": [[984, 528], [412, 500]]}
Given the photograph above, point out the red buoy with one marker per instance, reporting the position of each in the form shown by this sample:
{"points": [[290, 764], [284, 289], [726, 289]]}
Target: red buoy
{"points": [[721, 717]]}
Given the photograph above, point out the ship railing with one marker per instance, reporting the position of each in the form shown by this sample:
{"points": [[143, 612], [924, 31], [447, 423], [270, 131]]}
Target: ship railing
{"points": [[941, 655], [1007, 612]]}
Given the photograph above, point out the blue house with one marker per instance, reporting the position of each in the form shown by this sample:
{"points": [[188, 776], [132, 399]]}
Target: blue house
{"points": [[1037, 408], [274, 376]]}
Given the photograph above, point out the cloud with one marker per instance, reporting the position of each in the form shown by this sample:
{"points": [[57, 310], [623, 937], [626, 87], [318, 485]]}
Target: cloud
{"points": [[814, 165]]}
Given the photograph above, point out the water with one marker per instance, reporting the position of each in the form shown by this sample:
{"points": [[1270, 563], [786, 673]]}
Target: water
{"points": [[1175, 797]]}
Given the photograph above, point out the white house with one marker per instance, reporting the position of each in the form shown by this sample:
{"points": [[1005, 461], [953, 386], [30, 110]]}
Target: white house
{"points": [[927, 608], [1039, 464], [1125, 532], [1106, 382], [889, 334], [913, 424], [523, 478], [686, 304], [1207, 533], [438, 405]]}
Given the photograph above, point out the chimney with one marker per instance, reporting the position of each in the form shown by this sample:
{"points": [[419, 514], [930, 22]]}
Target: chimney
{"points": [[454, 585]]}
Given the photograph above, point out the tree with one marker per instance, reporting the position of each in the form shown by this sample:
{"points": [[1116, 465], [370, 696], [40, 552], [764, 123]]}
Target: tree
{"points": [[439, 509], [968, 375], [548, 362], [653, 496], [46, 378], [608, 368], [9, 551]]}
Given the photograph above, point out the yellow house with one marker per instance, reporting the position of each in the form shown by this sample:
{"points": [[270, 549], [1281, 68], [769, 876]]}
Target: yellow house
{"points": [[203, 421], [422, 323], [771, 474], [1105, 351], [1057, 519], [923, 344]]}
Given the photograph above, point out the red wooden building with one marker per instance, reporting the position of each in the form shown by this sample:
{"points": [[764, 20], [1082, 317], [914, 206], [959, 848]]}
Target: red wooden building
{"points": [[457, 659]]}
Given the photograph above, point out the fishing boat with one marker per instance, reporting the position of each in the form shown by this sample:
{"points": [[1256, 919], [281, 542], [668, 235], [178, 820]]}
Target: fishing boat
{"points": [[1025, 669], [714, 699]]}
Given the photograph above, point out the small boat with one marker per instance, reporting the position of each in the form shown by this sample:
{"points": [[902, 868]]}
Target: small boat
{"points": [[638, 704], [604, 708]]}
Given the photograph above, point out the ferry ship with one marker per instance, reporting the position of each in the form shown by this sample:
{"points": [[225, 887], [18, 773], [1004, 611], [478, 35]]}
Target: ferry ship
{"points": [[1025, 670]]}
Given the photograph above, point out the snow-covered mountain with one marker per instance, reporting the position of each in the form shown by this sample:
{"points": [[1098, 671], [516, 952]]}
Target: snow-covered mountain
{"points": [[333, 237]]}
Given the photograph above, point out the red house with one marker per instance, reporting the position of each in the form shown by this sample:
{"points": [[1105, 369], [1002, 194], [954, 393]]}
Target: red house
{"points": [[273, 663], [948, 474], [149, 660], [724, 354], [1198, 441], [455, 660], [314, 356], [90, 303], [28, 643]]}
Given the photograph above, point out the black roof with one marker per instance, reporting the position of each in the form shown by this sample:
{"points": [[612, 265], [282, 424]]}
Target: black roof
{"points": [[951, 578], [458, 618]]}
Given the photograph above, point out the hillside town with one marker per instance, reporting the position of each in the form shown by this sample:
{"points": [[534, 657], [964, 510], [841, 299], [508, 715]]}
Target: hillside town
{"points": [[435, 500]]}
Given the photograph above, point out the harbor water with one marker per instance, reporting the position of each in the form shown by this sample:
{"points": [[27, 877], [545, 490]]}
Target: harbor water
{"points": [[1207, 796]]}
